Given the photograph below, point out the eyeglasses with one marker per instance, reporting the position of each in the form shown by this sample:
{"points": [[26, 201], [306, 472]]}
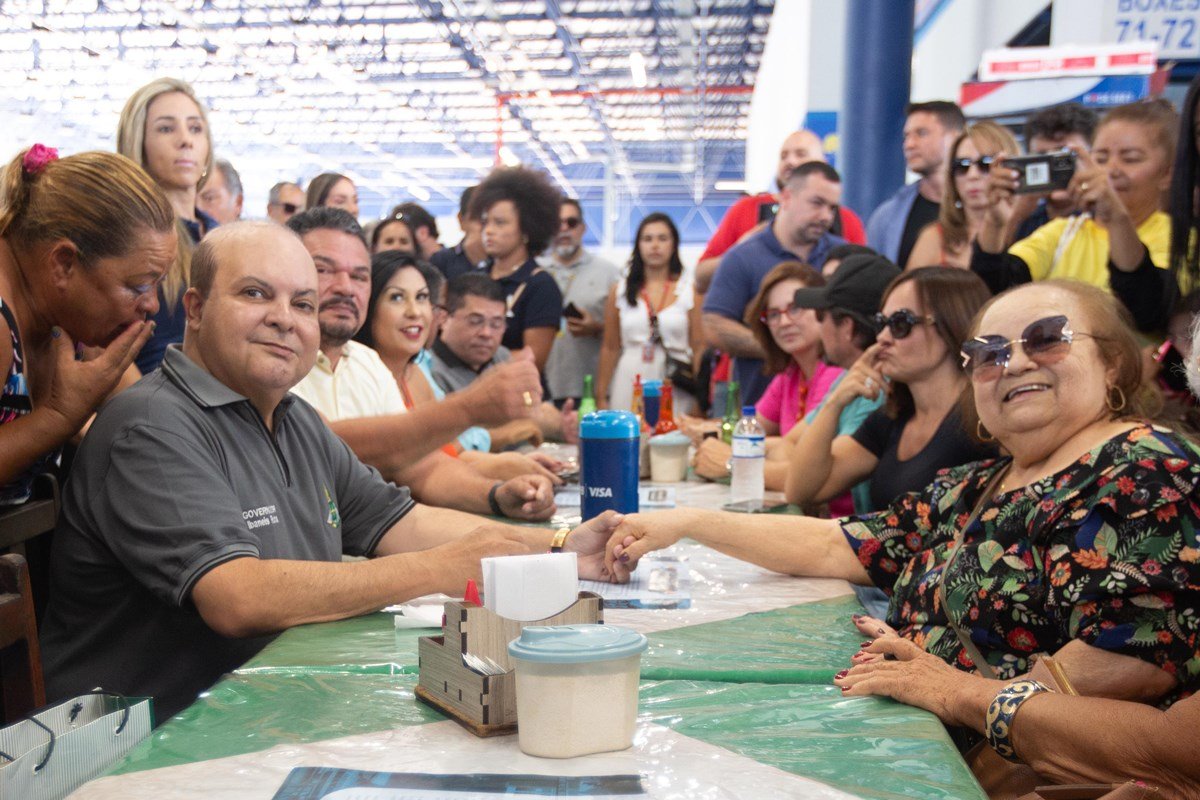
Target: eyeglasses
{"points": [[1045, 341], [962, 166], [288, 208], [901, 322], [571, 223], [773, 316], [477, 321]]}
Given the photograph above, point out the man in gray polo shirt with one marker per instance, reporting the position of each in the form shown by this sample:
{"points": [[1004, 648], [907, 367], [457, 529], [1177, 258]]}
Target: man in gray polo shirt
{"points": [[584, 279], [208, 509]]}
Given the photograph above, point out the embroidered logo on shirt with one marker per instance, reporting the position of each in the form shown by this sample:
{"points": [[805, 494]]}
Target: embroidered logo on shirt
{"points": [[334, 519]]}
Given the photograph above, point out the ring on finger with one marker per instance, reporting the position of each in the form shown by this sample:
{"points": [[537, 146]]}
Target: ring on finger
{"points": [[528, 398], [869, 383], [1083, 186]]}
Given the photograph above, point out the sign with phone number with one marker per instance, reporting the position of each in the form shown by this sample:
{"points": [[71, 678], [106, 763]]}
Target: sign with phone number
{"points": [[1174, 24]]}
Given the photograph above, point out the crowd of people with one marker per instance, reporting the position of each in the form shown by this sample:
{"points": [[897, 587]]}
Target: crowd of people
{"points": [[974, 398]]}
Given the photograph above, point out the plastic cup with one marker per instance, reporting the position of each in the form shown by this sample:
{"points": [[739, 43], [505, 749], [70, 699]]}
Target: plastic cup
{"points": [[577, 688], [668, 457]]}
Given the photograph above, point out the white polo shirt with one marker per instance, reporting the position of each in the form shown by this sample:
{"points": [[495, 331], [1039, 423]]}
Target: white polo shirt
{"points": [[361, 386]]}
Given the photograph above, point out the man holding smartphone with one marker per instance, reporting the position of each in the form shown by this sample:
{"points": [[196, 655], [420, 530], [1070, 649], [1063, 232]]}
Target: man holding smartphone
{"points": [[584, 280]]}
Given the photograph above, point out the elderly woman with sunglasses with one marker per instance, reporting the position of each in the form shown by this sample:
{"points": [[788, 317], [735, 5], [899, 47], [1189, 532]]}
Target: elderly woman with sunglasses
{"points": [[1081, 543]]}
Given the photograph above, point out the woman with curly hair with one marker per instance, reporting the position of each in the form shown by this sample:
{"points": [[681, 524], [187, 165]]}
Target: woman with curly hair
{"points": [[518, 208]]}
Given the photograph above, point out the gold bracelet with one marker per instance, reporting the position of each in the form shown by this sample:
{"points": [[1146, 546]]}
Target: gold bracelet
{"points": [[560, 539]]}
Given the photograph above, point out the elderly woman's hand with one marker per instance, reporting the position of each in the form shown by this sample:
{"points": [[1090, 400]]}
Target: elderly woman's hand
{"points": [[862, 380], [639, 534], [910, 675], [712, 459]]}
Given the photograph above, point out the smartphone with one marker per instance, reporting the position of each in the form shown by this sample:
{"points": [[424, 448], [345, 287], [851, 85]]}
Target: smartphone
{"points": [[572, 311], [1042, 173], [767, 211], [753, 506]]}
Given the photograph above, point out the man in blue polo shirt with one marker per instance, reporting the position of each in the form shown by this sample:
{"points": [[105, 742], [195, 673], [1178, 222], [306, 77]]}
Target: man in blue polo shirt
{"points": [[808, 204]]}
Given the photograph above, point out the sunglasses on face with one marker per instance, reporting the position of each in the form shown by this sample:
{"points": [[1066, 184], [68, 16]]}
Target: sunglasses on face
{"points": [[902, 322], [1045, 341], [962, 166], [571, 223], [288, 208]]}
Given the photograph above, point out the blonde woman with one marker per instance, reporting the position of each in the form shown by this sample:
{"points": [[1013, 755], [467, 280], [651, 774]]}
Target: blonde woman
{"points": [[947, 242], [164, 130]]}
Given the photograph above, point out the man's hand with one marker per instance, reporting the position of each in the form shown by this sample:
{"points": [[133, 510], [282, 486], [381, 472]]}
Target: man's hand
{"points": [[589, 541], [586, 325], [500, 394], [568, 420], [712, 459], [529, 497], [78, 387], [505, 466], [457, 562]]}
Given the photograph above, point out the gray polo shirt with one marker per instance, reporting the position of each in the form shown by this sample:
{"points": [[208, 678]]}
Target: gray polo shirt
{"points": [[452, 373], [179, 475], [586, 284]]}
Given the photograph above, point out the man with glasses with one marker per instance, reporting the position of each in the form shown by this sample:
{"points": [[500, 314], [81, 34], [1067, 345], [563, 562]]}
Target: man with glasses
{"points": [[284, 201], [584, 280], [469, 351], [358, 395]]}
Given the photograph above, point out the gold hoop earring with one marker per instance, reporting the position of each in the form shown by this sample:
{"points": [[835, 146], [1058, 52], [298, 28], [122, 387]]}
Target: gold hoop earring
{"points": [[1118, 405], [982, 432]]}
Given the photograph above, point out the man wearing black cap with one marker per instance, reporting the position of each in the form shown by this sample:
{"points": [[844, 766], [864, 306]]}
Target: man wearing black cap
{"points": [[847, 306]]}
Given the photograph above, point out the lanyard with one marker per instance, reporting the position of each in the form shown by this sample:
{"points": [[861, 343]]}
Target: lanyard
{"points": [[650, 309]]}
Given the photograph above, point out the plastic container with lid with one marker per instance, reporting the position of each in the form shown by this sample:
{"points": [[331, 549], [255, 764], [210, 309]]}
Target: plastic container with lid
{"points": [[608, 469], [668, 457], [577, 688]]}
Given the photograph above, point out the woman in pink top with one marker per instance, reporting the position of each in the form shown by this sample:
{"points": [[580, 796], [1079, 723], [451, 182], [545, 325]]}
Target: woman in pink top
{"points": [[791, 339]]}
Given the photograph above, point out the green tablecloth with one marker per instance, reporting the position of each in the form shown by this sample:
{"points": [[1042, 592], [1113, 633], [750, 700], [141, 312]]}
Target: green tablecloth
{"points": [[758, 685]]}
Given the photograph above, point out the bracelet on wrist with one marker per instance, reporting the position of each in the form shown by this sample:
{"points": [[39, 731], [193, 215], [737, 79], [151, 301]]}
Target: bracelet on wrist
{"points": [[999, 720], [560, 539], [493, 503]]}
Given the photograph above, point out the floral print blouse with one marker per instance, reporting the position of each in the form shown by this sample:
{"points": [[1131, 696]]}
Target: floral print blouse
{"points": [[1104, 551]]}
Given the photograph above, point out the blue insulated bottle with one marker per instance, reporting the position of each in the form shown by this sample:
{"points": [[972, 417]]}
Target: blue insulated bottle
{"points": [[608, 442]]}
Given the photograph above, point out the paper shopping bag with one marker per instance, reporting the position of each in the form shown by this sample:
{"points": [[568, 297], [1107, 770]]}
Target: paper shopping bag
{"points": [[56, 750]]}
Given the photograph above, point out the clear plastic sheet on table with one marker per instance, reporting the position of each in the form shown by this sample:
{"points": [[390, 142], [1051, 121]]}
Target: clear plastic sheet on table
{"points": [[370, 644], [801, 644], [669, 766], [866, 746], [245, 713]]}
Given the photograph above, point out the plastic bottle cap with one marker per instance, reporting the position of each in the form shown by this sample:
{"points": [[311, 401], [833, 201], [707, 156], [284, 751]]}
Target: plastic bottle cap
{"points": [[609, 424], [652, 388], [576, 644], [747, 411]]}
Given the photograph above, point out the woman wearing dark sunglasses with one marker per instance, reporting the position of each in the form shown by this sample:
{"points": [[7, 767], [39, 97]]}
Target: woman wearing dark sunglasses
{"points": [[947, 242], [1082, 543], [914, 362], [1120, 239]]}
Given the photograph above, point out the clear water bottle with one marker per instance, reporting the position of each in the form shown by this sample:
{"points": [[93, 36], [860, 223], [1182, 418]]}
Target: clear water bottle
{"points": [[749, 455]]}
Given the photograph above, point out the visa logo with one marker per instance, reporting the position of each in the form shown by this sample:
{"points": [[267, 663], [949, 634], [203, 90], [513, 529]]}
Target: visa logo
{"points": [[599, 491]]}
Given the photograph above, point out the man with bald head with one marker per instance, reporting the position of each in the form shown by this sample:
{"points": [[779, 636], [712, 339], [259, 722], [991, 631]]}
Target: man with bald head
{"points": [[209, 508], [750, 214]]}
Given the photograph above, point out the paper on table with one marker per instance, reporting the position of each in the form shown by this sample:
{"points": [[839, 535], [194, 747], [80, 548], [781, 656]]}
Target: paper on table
{"points": [[530, 587], [658, 582]]}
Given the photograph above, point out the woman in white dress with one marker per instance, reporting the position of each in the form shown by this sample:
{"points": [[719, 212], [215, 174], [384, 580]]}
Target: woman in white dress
{"points": [[651, 318]]}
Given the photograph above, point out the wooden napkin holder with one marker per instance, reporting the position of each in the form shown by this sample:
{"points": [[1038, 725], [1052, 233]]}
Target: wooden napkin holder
{"points": [[485, 704]]}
